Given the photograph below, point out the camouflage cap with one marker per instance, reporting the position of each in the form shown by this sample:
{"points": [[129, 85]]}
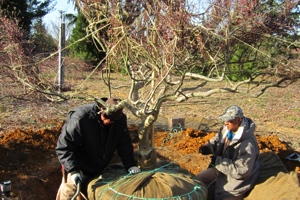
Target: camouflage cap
{"points": [[231, 113], [118, 113]]}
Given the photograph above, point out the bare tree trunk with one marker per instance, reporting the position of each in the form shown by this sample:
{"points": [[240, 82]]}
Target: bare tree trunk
{"points": [[147, 156]]}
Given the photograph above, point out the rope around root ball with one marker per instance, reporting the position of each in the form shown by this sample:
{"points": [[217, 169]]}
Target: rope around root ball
{"points": [[167, 182]]}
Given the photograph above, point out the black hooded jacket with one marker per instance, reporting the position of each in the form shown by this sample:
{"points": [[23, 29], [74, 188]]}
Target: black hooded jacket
{"points": [[86, 145]]}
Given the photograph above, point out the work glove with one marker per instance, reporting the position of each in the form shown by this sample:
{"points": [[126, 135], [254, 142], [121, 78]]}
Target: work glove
{"points": [[204, 150], [76, 178], [212, 161], [134, 170]]}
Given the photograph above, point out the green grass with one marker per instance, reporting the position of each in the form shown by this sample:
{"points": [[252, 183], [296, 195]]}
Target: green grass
{"points": [[293, 118], [3, 108]]}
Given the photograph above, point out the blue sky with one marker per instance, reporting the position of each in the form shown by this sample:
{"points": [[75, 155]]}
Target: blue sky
{"points": [[61, 5]]}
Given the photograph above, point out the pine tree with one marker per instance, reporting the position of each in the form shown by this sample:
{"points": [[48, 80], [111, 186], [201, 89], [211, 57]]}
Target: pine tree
{"points": [[42, 40], [26, 10], [86, 49]]}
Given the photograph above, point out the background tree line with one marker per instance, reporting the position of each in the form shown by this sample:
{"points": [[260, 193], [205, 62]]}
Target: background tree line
{"points": [[237, 34]]}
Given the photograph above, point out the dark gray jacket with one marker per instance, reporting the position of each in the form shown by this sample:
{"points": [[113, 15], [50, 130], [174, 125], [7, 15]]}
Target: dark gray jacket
{"points": [[86, 145], [238, 163]]}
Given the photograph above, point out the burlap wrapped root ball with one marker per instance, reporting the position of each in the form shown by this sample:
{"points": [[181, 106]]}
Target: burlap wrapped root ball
{"points": [[156, 185]]}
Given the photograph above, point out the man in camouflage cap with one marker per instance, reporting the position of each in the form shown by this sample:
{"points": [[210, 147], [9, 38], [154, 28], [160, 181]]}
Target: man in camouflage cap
{"points": [[234, 166], [231, 113]]}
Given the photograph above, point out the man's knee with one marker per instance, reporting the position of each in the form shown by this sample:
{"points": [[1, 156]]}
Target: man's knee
{"points": [[207, 176], [67, 190]]}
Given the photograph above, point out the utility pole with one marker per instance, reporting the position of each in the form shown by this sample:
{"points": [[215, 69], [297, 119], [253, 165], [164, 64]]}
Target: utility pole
{"points": [[61, 52]]}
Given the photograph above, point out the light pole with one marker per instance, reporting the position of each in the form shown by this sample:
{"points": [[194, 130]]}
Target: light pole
{"points": [[61, 52]]}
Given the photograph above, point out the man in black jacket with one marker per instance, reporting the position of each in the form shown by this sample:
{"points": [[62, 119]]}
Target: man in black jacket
{"points": [[87, 143]]}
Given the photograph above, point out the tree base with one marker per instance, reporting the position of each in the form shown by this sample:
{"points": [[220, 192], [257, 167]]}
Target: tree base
{"points": [[147, 159]]}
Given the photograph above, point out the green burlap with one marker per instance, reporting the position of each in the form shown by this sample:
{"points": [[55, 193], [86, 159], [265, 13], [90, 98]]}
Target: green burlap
{"points": [[275, 182], [161, 183]]}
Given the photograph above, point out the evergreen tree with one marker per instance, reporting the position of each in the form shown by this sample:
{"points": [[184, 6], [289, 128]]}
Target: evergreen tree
{"points": [[42, 40], [26, 10], [85, 49]]}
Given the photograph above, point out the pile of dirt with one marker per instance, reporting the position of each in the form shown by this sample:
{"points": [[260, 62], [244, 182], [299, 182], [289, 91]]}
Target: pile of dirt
{"points": [[29, 161]]}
